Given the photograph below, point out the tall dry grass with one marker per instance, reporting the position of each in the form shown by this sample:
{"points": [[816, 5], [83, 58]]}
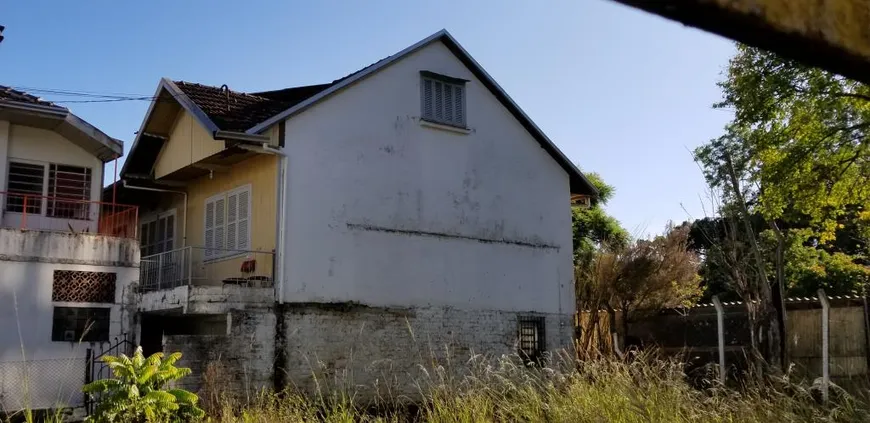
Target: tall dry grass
{"points": [[644, 389]]}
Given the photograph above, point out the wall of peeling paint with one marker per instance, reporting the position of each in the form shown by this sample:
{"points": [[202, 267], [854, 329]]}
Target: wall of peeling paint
{"points": [[386, 212]]}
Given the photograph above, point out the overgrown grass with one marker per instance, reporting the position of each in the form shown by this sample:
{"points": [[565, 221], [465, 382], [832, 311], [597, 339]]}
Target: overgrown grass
{"points": [[504, 390]]}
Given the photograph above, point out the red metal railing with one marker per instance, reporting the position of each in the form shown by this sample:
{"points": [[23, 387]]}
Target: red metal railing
{"points": [[28, 211]]}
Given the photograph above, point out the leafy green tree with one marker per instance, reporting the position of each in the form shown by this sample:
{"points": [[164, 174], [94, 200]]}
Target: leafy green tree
{"points": [[138, 393], [797, 154], [799, 136], [593, 227]]}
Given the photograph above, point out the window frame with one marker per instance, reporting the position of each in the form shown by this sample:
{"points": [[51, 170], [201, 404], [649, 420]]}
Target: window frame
{"points": [[214, 252], [80, 334], [46, 203], [454, 83], [155, 218], [537, 324]]}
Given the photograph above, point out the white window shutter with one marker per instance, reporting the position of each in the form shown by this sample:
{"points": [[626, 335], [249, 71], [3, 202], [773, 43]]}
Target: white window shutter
{"points": [[220, 225], [232, 221], [209, 228], [244, 220]]}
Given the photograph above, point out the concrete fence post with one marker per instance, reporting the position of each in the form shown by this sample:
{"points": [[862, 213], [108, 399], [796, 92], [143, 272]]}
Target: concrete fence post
{"points": [[720, 330], [826, 364]]}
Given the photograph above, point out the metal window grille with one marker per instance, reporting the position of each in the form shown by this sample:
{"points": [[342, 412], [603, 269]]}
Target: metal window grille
{"points": [[80, 324], [443, 102], [532, 340], [25, 179], [83, 287], [71, 183]]}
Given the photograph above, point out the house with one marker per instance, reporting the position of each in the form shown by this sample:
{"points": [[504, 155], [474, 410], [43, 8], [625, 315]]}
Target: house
{"points": [[67, 259], [356, 225]]}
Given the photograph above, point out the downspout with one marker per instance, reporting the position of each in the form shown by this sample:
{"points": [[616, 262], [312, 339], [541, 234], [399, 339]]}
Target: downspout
{"points": [[282, 212], [183, 222]]}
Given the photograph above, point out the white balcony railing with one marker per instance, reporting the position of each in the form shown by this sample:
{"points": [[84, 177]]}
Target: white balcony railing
{"points": [[188, 266]]}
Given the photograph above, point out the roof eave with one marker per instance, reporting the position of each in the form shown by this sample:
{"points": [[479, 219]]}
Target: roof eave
{"points": [[72, 127], [186, 103]]}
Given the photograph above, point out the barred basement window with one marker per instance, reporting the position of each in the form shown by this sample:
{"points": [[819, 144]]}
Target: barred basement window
{"points": [[442, 99], [83, 287], [80, 324], [532, 341]]}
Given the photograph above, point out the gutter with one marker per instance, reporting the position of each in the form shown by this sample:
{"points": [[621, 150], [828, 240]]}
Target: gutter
{"points": [[239, 136], [53, 111], [282, 212], [183, 222]]}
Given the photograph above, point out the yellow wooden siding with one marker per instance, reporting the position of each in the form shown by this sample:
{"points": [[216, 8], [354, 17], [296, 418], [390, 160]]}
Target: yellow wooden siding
{"points": [[261, 172], [188, 143]]}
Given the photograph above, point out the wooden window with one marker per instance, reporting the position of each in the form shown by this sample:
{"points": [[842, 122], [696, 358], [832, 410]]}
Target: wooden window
{"points": [[228, 223], [80, 324], [442, 99], [83, 287], [532, 342]]}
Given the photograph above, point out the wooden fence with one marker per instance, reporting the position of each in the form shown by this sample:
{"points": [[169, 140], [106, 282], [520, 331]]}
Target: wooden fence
{"points": [[691, 333]]}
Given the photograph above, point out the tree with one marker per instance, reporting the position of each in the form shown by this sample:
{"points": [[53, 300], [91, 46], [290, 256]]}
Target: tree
{"points": [[644, 276], [796, 151], [137, 391], [593, 227], [800, 135]]}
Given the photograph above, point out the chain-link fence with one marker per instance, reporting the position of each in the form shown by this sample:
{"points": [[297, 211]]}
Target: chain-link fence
{"points": [[41, 384]]}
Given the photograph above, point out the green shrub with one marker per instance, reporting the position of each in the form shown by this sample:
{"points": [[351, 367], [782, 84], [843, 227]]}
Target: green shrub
{"points": [[137, 392]]}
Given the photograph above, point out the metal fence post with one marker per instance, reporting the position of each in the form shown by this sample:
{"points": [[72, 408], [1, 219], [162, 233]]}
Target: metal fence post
{"points": [[89, 375], [826, 365], [160, 271], [720, 330]]}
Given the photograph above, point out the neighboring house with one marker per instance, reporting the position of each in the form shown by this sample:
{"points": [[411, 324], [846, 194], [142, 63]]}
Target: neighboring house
{"points": [[66, 259], [366, 224]]}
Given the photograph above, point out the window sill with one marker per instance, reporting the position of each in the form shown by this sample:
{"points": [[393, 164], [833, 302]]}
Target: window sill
{"points": [[444, 127]]}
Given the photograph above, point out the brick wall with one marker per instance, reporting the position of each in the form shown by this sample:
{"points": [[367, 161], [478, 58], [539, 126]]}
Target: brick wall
{"points": [[246, 355], [388, 349]]}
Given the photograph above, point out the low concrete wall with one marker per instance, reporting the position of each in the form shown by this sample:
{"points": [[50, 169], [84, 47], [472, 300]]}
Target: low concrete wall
{"points": [[206, 299], [68, 248]]}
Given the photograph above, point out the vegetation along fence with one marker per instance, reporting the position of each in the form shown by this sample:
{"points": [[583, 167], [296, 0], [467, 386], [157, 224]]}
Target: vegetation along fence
{"points": [[41, 384], [693, 334]]}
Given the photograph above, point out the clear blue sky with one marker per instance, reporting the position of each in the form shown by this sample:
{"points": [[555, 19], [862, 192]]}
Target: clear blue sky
{"points": [[623, 93]]}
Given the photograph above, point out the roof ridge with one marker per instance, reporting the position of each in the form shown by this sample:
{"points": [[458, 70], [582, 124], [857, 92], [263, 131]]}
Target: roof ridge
{"points": [[220, 89]]}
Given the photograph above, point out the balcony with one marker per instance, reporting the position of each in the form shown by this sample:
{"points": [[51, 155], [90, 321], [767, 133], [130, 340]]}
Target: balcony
{"points": [[195, 266], [208, 281], [59, 214]]}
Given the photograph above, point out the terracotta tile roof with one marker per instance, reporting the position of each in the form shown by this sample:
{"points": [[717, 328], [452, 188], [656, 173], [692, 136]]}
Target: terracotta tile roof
{"points": [[238, 111], [230, 110], [9, 94]]}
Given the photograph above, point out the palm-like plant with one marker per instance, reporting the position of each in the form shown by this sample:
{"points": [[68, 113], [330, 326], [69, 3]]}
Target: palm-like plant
{"points": [[137, 392]]}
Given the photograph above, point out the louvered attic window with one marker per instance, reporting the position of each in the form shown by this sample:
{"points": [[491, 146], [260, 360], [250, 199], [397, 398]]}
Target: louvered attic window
{"points": [[442, 99]]}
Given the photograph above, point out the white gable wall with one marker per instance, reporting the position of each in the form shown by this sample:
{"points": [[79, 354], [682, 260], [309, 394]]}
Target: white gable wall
{"points": [[365, 177]]}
